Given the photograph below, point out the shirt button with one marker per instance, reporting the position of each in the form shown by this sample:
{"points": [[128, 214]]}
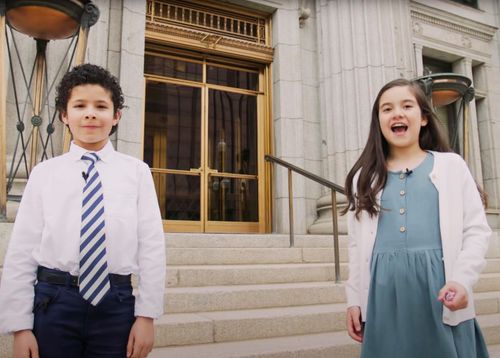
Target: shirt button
{"points": [[401, 176], [402, 211], [402, 229], [402, 193]]}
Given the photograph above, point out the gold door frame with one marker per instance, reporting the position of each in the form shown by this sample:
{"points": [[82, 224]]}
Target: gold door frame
{"points": [[204, 172]]}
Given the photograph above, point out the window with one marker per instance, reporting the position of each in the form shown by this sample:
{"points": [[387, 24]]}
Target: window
{"points": [[471, 3]]}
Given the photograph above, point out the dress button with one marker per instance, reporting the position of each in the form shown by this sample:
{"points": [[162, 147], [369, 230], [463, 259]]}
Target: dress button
{"points": [[402, 229], [401, 176], [402, 192], [402, 211]]}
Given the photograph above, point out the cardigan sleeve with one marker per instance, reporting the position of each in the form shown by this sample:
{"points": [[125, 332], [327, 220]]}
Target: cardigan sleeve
{"points": [[353, 282], [476, 234]]}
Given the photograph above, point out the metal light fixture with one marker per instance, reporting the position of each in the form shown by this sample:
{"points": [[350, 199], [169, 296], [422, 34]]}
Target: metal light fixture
{"points": [[446, 88], [44, 21]]}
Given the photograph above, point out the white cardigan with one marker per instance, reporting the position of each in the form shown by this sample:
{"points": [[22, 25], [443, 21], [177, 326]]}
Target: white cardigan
{"points": [[465, 235]]}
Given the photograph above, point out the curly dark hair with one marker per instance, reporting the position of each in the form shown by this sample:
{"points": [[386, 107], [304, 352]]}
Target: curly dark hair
{"points": [[88, 74]]}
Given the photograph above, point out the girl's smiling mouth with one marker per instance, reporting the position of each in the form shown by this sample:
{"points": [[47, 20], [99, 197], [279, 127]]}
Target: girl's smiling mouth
{"points": [[399, 128]]}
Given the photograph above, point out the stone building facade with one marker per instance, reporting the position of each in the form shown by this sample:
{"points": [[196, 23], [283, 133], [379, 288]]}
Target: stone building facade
{"points": [[319, 70]]}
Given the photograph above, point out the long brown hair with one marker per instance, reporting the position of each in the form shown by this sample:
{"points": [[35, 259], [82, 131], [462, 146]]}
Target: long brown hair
{"points": [[372, 164]]}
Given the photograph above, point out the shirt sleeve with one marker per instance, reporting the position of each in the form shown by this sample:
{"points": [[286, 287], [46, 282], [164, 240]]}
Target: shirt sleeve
{"points": [[151, 249], [19, 272]]}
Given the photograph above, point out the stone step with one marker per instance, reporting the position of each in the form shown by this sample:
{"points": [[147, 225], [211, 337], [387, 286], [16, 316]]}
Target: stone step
{"points": [[493, 349], [216, 275], [208, 240], [189, 329], [224, 326], [490, 326], [322, 345], [222, 298], [231, 256], [488, 282], [487, 302], [227, 326], [492, 265], [225, 298]]}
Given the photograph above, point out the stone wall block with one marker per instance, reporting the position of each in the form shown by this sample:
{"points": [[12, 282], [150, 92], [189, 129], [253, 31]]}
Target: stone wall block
{"points": [[288, 64], [288, 97], [132, 83], [286, 27]]}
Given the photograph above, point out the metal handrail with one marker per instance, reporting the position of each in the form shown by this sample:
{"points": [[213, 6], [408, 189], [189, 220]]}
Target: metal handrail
{"points": [[334, 188]]}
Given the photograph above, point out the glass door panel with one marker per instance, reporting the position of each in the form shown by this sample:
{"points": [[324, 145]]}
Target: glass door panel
{"points": [[172, 148], [232, 157], [232, 199]]}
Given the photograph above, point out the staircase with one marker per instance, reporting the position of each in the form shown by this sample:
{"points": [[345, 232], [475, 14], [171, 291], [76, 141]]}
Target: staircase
{"points": [[253, 296]]}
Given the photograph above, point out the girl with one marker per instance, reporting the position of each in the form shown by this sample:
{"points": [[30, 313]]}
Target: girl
{"points": [[417, 236]]}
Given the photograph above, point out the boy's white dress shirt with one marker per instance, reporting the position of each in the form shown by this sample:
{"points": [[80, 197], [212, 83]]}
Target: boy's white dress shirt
{"points": [[47, 231]]}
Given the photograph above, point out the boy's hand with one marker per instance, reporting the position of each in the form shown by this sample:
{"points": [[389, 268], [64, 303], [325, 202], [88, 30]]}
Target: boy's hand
{"points": [[141, 338], [25, 345], [354, 327], [453, 296]]}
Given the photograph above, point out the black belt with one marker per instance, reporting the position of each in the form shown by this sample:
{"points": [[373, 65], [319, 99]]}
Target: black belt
{"points": [[64, 278]]}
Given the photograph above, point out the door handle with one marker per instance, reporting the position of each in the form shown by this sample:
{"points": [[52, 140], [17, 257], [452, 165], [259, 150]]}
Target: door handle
{"points": [[212, 171], [196, 170]]}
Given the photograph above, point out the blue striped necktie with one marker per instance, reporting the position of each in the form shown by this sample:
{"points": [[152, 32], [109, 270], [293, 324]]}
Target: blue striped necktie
{"points": [[94, 278]]}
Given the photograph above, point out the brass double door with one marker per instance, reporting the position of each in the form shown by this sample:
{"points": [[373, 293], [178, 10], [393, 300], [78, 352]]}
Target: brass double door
{"points": [[202, 141]]}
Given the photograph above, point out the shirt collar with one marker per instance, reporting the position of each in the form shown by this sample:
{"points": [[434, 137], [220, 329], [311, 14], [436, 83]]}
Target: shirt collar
{"points": [[76, 152]]}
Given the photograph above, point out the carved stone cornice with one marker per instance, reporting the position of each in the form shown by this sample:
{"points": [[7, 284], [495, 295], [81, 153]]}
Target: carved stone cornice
{"points": [[209, 42], [451, 22]]}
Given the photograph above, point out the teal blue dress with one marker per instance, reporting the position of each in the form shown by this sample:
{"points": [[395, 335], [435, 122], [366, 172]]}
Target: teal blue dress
{"points": [[404, 317]]}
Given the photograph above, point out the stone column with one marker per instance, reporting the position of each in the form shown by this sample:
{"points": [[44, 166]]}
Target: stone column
{"points": [[464, 67], [419, 59], [362, 45], [288, 114], [131, 65]]}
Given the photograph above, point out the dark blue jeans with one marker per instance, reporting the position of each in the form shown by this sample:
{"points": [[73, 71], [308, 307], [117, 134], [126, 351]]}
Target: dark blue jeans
{"points": [[67, 326]]}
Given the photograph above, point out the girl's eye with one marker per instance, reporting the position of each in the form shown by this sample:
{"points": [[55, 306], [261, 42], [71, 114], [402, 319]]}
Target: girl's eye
{"points": [[408, 106], [386, 109]]}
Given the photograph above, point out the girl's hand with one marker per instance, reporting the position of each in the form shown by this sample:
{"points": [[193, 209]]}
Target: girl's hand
{"points": [[453, 296], [354, 326], [141, 338], [25, 345]]}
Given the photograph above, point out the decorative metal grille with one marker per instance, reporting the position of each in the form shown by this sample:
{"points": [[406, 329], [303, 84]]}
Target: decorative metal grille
{"points": [[225, 23]]}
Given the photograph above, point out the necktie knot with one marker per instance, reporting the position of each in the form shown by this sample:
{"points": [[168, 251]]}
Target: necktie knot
{"points": [[90, 158]]}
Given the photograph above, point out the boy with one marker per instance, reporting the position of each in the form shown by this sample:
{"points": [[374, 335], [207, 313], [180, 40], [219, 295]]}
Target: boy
{"points": [[88, 219]]}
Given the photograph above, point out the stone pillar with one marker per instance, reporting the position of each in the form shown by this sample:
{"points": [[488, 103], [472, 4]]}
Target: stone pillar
{"points": [[419, 59], [288, 114], [464, 67], [131, 65], [362, 45]]}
